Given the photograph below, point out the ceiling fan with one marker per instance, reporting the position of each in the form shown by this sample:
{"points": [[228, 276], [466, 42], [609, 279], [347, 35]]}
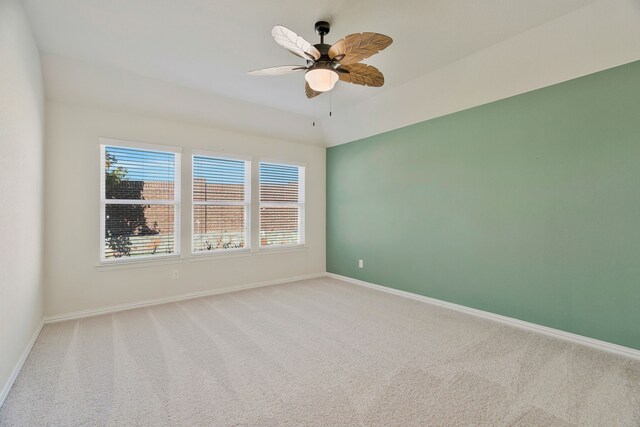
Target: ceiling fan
{"points": [[327, 64]]}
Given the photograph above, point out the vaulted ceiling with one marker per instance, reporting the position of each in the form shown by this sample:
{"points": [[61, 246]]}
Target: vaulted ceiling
{"points": [[206, 47]]}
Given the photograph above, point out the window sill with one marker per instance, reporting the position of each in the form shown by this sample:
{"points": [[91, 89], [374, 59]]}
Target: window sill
{"points": [[122, 265], [281, 250], [208, 256]]}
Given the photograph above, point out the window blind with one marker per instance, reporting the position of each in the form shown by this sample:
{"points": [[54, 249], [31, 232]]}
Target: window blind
{"points": [[221, 204], [139, 203], [281, 204]]}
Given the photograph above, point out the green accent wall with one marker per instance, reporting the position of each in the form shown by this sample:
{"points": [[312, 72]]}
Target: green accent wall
{"points": [[527, 207]]}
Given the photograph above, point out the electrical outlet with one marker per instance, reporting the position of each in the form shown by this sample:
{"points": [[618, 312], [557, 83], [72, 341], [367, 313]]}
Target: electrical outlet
{"points": [[361, 263], [175, 274]]}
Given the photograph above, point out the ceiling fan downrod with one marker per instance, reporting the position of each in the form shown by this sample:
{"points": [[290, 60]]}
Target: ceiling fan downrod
{"points": [[322, 28]]}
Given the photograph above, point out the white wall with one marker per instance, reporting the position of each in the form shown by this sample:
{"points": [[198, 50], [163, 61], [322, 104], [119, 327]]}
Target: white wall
{"points": [[21, 152], [74, 281], [69, 80]]}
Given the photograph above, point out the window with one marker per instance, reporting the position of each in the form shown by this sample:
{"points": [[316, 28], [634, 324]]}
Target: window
{"points": [[221, 204], [140, 197], [281, 205]]}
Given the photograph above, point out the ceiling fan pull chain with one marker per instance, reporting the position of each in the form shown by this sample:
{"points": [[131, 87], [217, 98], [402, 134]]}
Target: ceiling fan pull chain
{"points": [[330, 103]]}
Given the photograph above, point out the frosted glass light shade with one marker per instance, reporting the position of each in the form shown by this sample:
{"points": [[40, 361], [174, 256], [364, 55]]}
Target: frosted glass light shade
{"points": [[321, 79]]}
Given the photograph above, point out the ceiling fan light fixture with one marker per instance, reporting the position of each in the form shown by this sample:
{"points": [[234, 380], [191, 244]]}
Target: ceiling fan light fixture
{"points": [[321, 79]]}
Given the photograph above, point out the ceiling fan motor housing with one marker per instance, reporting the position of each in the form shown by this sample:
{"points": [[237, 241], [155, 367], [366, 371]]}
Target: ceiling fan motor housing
{"points": [[323, 48]]}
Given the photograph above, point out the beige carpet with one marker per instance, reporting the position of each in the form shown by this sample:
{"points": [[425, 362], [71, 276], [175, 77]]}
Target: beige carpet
{"points": [[316, 352]]}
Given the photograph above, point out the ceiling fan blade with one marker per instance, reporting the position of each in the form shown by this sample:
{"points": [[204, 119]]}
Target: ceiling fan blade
{"points": [[310, 92], [294, 43], [277, 71], [361, 74], [359, 46]]}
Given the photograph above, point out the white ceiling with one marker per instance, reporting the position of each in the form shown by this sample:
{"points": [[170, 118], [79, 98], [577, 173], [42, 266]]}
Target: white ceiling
{"points": [[210, 45], [205, 47]]}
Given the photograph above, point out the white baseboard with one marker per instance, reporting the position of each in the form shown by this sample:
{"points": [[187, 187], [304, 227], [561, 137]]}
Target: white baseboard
{"points": [[157, 301], [557, 333], [16, 370]]}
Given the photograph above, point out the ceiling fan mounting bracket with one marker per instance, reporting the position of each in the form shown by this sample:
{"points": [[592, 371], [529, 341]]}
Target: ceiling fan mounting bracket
{"points": [[322, 28]]}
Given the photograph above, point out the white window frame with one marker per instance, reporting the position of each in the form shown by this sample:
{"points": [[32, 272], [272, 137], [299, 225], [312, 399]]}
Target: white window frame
{"points": [[301, 204], [110, 142], [246, 203]]}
